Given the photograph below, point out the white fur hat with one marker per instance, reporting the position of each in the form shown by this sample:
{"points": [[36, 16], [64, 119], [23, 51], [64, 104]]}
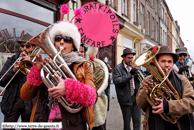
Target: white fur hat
{"points": [[66, 28]]}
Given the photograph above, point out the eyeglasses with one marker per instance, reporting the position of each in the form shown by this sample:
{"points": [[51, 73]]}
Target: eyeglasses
{"points": [[180, 55], [130, 57], [27, 46], [58, 38]]}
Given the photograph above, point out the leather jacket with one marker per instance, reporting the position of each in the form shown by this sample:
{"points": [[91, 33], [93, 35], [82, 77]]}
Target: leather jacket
{"points": [[121, 79]]}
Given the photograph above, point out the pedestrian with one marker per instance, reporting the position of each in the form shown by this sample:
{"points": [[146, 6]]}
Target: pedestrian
{"points": [[12, 106], [83, 91], [183, 107], [127, 85]]}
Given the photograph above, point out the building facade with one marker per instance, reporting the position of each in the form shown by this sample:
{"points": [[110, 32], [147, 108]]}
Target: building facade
{"points": [[169, 28], [148, 19]]}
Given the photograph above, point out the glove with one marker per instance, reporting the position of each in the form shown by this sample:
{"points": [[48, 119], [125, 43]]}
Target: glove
{"points": [[133, 71], [182, 68]]}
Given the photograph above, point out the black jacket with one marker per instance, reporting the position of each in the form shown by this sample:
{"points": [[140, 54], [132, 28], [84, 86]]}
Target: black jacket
{"points": [[121, 79], [11, 93]]}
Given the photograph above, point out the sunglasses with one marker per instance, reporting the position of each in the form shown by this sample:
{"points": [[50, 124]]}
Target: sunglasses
{"points": [[27, 46], [58, 38], [182, 55]]}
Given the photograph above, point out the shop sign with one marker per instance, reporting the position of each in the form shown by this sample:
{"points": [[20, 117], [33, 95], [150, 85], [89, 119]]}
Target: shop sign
{"points": [[5, 35]]}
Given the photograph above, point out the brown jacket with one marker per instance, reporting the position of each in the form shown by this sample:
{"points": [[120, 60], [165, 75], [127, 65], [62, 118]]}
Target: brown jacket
{"points": [[83, 73], [176, 107]]}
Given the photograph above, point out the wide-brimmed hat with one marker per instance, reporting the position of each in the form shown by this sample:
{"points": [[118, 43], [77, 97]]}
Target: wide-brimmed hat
{"points": [[181, 50], [166, 50], [127, 51], [25, 38]]}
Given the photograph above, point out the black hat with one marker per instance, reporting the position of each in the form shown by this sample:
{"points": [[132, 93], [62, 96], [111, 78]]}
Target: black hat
{"points": [[166, 50], [25, 38], [127, 51], [181, 50]]}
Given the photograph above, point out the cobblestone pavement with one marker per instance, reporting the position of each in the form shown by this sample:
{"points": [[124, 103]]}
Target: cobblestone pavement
{"points": [[114, 117]]}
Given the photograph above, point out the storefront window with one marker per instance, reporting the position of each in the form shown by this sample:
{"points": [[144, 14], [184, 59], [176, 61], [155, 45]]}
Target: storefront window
{"points": [[28, 9], [13, 28]]}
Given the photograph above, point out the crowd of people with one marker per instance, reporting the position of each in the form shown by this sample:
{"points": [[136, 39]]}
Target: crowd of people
{"points": [[29, 96]]}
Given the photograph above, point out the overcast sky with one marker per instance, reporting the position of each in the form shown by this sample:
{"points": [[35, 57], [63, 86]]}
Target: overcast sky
{"points": [[183, 12]]}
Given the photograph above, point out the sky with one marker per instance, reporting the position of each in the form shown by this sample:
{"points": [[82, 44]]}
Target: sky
{"points": [[183, 12]]}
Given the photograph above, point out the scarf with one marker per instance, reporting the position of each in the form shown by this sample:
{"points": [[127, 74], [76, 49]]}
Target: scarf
{"points": [[155, 120], [186, 61], [72, 57]]}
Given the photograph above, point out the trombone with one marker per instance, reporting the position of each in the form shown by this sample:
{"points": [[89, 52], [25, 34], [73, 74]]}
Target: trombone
{"points": [[24, 66]]}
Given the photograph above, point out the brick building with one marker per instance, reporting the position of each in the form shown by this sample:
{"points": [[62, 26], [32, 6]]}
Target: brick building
{"points": [[148, 18]]}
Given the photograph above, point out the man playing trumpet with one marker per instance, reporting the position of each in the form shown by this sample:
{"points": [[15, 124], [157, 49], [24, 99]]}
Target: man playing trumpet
{"points": [[12, 106], [183, 107], [126, 88]]}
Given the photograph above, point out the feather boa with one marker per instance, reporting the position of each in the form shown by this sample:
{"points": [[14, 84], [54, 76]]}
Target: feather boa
{"points": [[77, 92], [34, 77]]}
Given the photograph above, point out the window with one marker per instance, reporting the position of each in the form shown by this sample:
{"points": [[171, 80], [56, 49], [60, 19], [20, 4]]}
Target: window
{"points": [[142, 16], [111, 2], [156, 36], [163, 41], [156, 7], [124, 7], [28, 9], [134, 10], [148, 23], [153, 27], [74, 4], [160, 35]]}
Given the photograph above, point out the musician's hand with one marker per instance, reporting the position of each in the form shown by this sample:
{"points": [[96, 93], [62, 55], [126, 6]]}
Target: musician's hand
{"points": [[39, 61], [182, 68], [59, 90], [147, 83], [158, 109], [16, 66], [133, 71], [25, 56]]}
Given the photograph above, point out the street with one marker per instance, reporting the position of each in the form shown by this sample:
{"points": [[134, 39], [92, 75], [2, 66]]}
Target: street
{"points": [[114, 117]]}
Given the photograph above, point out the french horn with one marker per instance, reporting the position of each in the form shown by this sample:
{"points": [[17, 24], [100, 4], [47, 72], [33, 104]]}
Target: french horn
{"points": [[162, 89]]}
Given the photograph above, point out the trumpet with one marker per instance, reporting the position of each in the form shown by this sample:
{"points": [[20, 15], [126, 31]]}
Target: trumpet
{"points": [[19, 59], [188, 75], [24, 66], [139, 74]]}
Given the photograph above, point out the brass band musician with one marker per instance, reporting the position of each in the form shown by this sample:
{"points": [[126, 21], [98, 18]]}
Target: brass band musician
{"points": [[184, 106], [127, 85], [12, 105], [183, 62], [81, 91]]}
